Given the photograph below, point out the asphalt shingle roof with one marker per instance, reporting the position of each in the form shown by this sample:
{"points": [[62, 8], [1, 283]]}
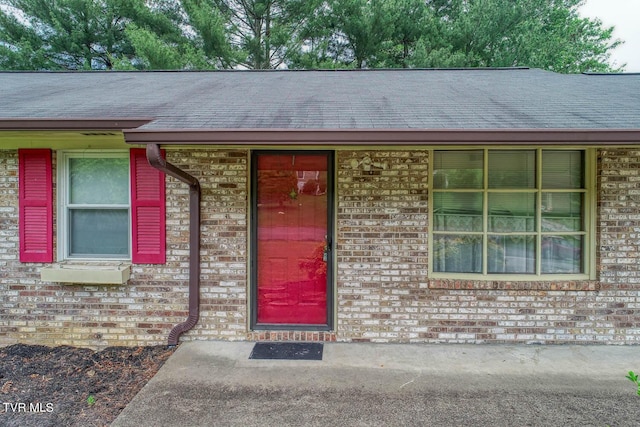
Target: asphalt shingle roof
{"points": [[376, 99]]}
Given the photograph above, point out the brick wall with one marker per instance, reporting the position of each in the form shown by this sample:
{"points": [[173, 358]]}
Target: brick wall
{"points": [[618, 305], [224, 179], [144, 310], [382, 242], [9, 248], [383, 296], [382, 289]]}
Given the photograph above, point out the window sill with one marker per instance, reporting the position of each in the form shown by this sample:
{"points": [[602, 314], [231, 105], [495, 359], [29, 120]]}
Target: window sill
{"points": [[510, 285], [104, 274]]}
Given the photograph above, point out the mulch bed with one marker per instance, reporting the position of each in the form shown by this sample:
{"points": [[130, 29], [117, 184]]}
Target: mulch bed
{"points": [[69, 386]]}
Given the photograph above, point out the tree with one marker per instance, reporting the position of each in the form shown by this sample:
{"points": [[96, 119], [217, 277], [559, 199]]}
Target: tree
{"points": [[566, 43], [74, 34], [362, 28], [314, 44], [202, 44], [411, 20], [546, 34], [301, 34], [347, 34], [210, 36], [265, 31], [253, 34]]}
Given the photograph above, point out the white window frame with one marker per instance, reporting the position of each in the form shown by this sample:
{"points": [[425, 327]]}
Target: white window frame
{"points": [[590, 195], [63, 193]]}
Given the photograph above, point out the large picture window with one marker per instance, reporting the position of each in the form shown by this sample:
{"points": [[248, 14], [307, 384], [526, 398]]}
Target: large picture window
{"points": [[94, 205], [502, 211]]}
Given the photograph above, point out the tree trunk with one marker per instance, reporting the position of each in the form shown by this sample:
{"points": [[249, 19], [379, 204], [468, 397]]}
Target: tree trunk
{"points": [[267, 38]]}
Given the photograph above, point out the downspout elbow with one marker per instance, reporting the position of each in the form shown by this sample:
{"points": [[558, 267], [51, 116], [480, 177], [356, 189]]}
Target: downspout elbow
{"points": [[154, 156]]}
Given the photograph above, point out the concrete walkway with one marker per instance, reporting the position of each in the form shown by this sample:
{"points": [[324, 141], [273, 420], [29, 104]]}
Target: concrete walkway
{"points": [[208, 383]]}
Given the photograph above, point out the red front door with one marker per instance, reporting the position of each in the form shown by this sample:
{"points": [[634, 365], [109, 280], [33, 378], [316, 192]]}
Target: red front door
{"points": [[291, 250]]}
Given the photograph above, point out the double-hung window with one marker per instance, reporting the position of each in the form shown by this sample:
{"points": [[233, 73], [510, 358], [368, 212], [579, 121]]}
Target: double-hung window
{"points": [[94, 217], [111, 206], [510, 212]]}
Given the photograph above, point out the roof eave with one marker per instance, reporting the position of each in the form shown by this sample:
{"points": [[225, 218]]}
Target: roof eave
{"points": [[312, 137], [72, 124]]}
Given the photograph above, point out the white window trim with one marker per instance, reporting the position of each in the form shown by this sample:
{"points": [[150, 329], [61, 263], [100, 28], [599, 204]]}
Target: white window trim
{"points": [[62, 185], [590, 196]]}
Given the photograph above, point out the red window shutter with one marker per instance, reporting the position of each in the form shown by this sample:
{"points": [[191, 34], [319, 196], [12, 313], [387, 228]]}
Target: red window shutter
{"points": [[35, 202], [147, 210]]}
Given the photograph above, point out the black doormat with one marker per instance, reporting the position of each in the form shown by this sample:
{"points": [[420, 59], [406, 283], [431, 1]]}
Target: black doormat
{"points": [[287, 350]]}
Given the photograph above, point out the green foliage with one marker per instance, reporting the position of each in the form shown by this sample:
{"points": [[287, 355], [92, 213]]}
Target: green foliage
{"points": [[363, 28], [412, 22], [301, 34], [74, 34], [631, 376], [545, 34], [153, 52], [209, 39], [91, 400]]}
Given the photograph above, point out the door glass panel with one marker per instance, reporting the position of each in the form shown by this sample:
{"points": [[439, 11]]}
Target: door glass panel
{"points": [[291, 245]]}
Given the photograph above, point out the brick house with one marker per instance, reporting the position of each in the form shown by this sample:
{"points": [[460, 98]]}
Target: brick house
{"points": [[475, 206]]}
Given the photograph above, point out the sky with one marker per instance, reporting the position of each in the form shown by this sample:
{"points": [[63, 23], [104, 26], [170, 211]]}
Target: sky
{"points": [[624, 15]]}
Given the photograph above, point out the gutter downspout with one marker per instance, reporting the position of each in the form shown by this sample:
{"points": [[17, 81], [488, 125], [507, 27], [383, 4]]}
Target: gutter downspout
{"points": [[157, 161]]}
